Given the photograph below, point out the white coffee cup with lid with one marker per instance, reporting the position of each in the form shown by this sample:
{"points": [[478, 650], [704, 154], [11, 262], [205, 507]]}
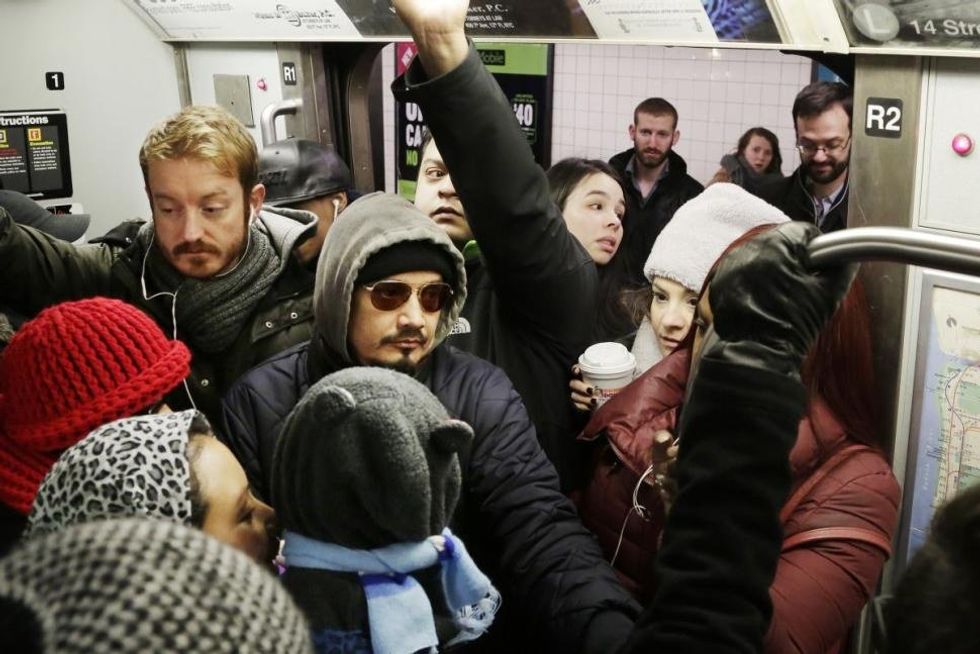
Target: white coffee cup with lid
{"points": [[607, 367]]}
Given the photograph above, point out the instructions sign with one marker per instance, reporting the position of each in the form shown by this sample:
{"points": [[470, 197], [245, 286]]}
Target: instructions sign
{"points": [[911, 23], [34, 154], [524, 73]]}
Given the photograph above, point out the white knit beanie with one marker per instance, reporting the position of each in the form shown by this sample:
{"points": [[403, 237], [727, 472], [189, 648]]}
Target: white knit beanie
{"points": [[702, 229]]}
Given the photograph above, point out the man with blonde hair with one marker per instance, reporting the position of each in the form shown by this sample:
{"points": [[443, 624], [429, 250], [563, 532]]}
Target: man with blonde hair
{"points": [[213, 267]]}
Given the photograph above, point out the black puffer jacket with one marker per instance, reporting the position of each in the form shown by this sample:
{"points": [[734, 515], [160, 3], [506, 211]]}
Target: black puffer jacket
{"points": [[559, 595], [645, 220]]}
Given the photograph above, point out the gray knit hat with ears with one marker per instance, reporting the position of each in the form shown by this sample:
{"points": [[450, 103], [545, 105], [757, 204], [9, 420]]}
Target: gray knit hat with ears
{"points": [[702, 229], [368, 458], [137, 585]]}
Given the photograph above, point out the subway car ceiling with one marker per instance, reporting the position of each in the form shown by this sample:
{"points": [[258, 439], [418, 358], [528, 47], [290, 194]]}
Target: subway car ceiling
{"points": [[902, 27]]}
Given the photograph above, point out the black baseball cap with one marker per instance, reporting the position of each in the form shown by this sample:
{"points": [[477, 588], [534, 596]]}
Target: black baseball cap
{"points": [[296, 170], [25, 211]]}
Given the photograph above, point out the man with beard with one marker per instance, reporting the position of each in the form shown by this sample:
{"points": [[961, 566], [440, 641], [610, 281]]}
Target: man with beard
{"points": [[213, 268], [656, 184], [389, 288], [817, 190]]}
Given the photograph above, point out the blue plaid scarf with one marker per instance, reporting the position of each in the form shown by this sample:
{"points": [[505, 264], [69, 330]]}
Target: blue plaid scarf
{"points": [[399, 612]]}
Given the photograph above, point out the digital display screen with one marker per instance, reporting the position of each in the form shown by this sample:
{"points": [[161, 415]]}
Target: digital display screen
{"points": [[34, 154]]}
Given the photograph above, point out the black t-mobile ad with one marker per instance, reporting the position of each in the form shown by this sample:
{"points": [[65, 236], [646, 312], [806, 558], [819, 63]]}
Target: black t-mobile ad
{"points": [[523, 71]]}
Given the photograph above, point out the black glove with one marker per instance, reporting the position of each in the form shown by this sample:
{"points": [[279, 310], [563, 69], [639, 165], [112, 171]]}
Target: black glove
{"points": [[768, 307]]}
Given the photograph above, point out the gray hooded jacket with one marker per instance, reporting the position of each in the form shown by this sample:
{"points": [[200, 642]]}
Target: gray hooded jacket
{"points": [[372, 223]]}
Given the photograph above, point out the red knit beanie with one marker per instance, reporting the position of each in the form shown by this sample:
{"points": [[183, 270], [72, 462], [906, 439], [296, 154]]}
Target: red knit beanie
{"points": [[74, 367]]}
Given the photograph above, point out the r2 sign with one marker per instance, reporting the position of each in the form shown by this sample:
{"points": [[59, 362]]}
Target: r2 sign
{"points": [[883, 118]]}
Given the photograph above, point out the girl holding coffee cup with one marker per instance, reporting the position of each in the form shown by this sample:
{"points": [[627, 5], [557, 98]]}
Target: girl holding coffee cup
{"points": [[839, 521], [678, 264]]}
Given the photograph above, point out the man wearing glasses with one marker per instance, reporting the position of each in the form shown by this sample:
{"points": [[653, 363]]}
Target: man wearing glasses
{"points": [[817, 190], [389, 288]]}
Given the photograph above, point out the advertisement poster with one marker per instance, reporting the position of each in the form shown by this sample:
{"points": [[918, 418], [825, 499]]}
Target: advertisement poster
{"points": [[742, 20], [243, 19], [519, 18], [523, 71], [669, 20], [912, 23], [696, 21], [34, 154]]}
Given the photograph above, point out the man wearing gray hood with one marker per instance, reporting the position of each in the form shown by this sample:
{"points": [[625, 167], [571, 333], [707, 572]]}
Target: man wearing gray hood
{"points": [[389, 287], [213, 269]]}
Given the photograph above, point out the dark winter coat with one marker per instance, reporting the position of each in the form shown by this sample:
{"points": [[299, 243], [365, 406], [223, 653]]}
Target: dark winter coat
{"points": [[644, 221], [516, 523], [37, 271], [722, 539], [792, 197], [822, 581], [532, 291], [523, 533]]}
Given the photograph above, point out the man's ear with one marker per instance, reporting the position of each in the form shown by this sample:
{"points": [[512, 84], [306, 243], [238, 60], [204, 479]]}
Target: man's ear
{"points": [[256, 197], [632, 131], [344, 201], [676, 138]]}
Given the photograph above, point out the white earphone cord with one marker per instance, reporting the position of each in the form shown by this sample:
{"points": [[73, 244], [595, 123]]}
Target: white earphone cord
{"points": [[173, 309], [640, 511]]}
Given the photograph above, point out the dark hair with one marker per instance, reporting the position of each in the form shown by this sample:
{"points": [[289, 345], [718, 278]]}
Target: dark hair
{"points": [[818, 97], [838, 368], [426, 139], [936, 603], [636, 302], [199, 430], [655, 107], [776, 165], [565, 175], [6, 331]]}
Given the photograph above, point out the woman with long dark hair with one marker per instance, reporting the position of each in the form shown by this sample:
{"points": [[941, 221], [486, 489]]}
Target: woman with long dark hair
{"points": [[589, 193], [843, 508]]}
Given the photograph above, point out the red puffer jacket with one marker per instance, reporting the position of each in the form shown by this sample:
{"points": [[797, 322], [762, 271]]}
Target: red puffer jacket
{"points": [[838, 523]]}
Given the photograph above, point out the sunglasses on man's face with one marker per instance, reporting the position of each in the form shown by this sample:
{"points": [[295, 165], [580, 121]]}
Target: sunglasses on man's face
{"points": [[389, 294]]}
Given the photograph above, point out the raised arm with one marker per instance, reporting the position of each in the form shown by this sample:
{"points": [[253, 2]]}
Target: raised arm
{"points": [[539, 268]]}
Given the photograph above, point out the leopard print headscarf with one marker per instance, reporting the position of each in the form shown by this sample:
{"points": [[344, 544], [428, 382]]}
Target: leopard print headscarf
{"points": [[131, 467]]}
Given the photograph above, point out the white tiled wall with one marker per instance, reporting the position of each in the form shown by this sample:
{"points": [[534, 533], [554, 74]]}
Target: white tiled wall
{"points": [[719, 93]]}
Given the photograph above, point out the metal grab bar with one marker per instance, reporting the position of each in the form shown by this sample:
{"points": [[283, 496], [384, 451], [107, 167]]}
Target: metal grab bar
{"points": [[267, 121], [908, 246]]}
